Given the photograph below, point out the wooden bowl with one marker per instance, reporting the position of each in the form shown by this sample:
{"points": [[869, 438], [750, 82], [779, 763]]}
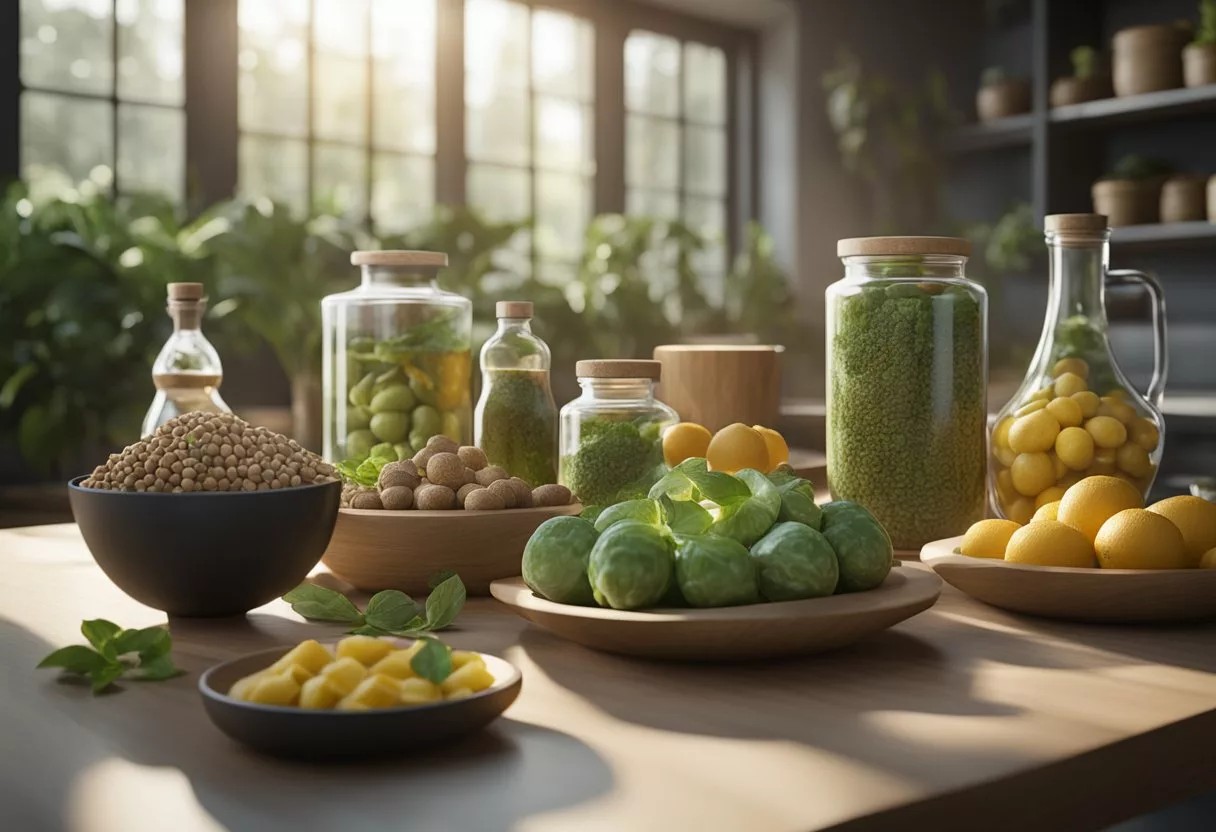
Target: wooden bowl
{"points": [[1111, 596], [318, 735], [754, 631], [375, 550]]}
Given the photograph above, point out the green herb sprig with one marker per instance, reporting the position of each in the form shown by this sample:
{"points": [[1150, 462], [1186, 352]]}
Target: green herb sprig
{"points": [[115, 653], [390, 612]]}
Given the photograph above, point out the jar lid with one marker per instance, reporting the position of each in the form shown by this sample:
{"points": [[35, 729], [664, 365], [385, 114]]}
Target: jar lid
{"points": [[1088, 223], [433, 259], [618, 368], [185, 291], [513, 309], [879, 246]]}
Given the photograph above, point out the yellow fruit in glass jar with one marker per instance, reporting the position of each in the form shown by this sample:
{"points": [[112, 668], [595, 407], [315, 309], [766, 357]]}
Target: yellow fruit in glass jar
{"points": [[1117, 393], [736, 447], [1032, 473], [1136, 538], [1107, 431], [1195, 517], [1144, 433], [1058, 466], [1000, 436], [1094, 500], [1049, 495], [684, 441], [1047, 511], [987, 538], [1088, 401], [1004, 487], [1070, 383], [1044, 393], [1066, 411], [1030, 407], [1049, 543], [778, 451], [1075, 448], [1005, 456], [1134, 460], [1104, 462], [1116, 409], [1034, 433], [1076, 366], [1020, 510]]}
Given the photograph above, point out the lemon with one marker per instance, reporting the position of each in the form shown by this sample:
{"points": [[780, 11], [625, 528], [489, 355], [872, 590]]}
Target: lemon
{"points": [[1000, 436], [1117, 393], [1045, 393], [1005, 455], [1049, 495], [736, 447], [1088, 401], [1047, 511], [1195, 517], [987, 538], [1107, 431], [778, 451], [1020, 510], [1069, 383], [1104, 462], [1116, 409], [1076, 366], [1093, 501], [1032, 473], [1049, 543], [1030, 407], [1137, 538], [1075, 448], [1066, 411], [1034, 433], [1134, 460], [1004, 486], [684, 440], [1058, 467], [1144, 433], [1208, 561]]}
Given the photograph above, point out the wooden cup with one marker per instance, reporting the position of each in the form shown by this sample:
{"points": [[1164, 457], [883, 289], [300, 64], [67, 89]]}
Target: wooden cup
{"points": [[716, 385]]}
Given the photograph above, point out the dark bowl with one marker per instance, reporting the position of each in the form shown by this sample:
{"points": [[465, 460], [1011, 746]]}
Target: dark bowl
{"points": [[206, 554], [321, 735]]}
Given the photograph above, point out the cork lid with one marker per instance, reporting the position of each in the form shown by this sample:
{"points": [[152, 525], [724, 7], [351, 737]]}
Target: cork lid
{"points": [[513, 309], [618, 368], [431, 259], [186, 291], [871, 246], [1075, 223]]}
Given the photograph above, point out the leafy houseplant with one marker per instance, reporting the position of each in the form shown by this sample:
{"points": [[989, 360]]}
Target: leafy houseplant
{"points": [[1131, 193], [1086, 83], [1000, 96], [1199, 56]]}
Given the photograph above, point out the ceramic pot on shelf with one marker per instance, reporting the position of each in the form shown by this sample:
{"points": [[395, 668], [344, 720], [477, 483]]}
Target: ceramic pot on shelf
{"points": [[1073, 90], [1001, 99], [1121, 200], [1199, 64], [1183, 198], [1147, 59]]}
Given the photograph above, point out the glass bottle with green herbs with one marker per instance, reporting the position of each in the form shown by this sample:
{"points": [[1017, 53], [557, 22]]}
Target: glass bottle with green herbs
{"points": [[515, 421]]}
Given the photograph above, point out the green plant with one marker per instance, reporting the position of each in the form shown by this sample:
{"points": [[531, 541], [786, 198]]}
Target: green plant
{"points": [[1007, 244], [1205, 34], [992, 76], [1084, 61], [115, 653], [390, 612], [1135, 167]]}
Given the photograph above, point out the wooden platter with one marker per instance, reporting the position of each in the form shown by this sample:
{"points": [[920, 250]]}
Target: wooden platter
{"points": [[755, 631], [1112, 596], [375, 550]]}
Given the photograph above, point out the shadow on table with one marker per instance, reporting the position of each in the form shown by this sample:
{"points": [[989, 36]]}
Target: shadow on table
{"points": [[493, 780]]}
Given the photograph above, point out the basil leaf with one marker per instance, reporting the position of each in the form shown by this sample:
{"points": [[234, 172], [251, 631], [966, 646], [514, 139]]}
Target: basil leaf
{"points": [[156, 670], [438, 578], [384, 453], [320, 604], [103, 676], [390, 610], [367, 630], [149, 643], [685, 516], [444, 603], [99, 632], [433, 662], [76, 658], [412, 628]]}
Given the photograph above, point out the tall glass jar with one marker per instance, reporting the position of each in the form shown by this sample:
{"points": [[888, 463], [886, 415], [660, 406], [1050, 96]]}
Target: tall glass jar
{"points": [[1076, 414], [396, 358], [515, 421], [611, 435], [907, 344]]}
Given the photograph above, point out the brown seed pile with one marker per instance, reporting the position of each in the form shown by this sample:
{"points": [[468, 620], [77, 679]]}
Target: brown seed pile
{"points": [[210, 452]]}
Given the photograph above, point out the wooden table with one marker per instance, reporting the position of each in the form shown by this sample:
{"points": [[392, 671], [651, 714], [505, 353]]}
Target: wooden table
{"points": [[961, 718]]}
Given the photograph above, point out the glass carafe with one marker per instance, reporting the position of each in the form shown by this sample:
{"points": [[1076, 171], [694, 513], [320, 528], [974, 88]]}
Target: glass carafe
{"points": [[1076, 414]]}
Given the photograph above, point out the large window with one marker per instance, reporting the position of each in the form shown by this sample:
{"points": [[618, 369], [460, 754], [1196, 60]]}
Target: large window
{"points": [[337, 106], [102, 96], [529, 99]]}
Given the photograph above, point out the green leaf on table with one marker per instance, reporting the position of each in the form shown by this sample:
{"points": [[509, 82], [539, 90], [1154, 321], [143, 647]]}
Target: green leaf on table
{"points": [[438, 578], [102, 677], [367, 630], [317, 603], [155, 670], [433, 662], [75, 658], [685, 516], [413, 628], [390, 610], [149, 643], [100, 633], [444, 603]]}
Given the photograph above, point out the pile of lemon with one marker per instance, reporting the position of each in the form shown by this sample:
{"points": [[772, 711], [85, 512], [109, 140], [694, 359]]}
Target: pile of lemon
{"points": [[1063, 433], [1101, 521], [731, 449]]}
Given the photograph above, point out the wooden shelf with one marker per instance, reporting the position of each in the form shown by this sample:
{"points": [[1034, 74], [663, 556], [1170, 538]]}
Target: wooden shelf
{"points": [[1164, 234], [1133, 108], [1009, 132]]}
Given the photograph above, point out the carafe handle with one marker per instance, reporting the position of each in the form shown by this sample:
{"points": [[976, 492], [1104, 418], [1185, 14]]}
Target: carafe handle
{"points": [[1131, 277]]}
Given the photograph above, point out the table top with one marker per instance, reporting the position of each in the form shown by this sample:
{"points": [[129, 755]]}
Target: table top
{"points": [[961, 714]]}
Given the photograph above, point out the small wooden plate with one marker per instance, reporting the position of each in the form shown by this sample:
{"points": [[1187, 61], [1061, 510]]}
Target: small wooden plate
{"points": [[1111, 596], [375, 550], [316, 735], [754, 631]]}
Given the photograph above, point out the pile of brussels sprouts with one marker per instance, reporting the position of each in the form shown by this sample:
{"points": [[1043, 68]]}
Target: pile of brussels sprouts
{"points": [[706, 538]]}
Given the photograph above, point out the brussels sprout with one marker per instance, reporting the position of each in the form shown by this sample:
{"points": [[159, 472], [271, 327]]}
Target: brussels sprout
{"points": [[794, 562], [391, 426], [358, 418], [797, 507], [685, 516], [630, 566], [361, 394], [862, 545], [395, 397], [403, 450], [647, 511], [746, 519], [715, 571], [428, 421], [359, 443], [555, 560]]}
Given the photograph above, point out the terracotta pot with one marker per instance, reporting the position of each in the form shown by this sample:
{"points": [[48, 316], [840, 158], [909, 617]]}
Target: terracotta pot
{"points": [[1183, 198], [1006, 98], [1121, 200], [1212, 199], [1147, 59], [1199, 64], [1074, 90]]}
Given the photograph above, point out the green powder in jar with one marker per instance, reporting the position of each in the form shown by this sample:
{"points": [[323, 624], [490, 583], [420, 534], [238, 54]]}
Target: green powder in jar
{"points": [[518, 424]]}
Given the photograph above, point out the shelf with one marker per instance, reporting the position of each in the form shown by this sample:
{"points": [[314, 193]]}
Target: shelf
{"points": [[1008, 132], [1163, 234], [1133, 108]]}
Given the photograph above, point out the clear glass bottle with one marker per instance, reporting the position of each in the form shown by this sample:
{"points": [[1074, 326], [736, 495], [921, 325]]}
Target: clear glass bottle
{"points": [[515, 421], [187, 372], [907, 358], [396, 362], [1075, 413], [611, 435]]}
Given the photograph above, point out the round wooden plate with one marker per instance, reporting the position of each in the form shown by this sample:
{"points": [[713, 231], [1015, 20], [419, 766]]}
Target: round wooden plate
{"points": [[375, 550], [755, 631], [1112, 596]]}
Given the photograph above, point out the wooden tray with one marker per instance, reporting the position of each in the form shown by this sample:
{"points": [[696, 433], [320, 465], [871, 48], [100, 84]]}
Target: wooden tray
{"points": [[755, 631], [1112, 596], [375, 550]]}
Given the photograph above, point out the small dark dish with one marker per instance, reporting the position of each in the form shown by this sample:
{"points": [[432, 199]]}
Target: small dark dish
{"points": [[206, 554], [321, 735]]}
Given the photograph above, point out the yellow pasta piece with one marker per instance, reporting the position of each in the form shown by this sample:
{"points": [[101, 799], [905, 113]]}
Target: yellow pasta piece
{"points": [[319, 693], [419, 691], [473, 676], [366, 650], [396, 664], [459, 693], [241, 688], [376, 691], [462, 657], [308, 654], [275, 689], [344, 674]]}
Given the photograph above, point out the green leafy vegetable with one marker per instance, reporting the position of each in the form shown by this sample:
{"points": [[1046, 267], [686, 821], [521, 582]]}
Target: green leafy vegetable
{"points": [[692, 480], [444, 603], [319, 603], [685, 516], [136, 655], [433, 662], [390, 612]]}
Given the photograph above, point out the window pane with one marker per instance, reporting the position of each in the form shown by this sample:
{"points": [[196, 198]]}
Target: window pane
{"points": [[275, 168], [498, 130], [499, 193], [339, 181], [563, 55], [563, 210], [495, 49], [659, 204], [705, 160], [273, 59], [652, 74], [67, 45], [563, 136], [152, 150], [403, 192], [403, 107], [151, 37], [652, 152], [65, 141], [341, 102], [340, 27], [707, 217], [704, 84]]}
